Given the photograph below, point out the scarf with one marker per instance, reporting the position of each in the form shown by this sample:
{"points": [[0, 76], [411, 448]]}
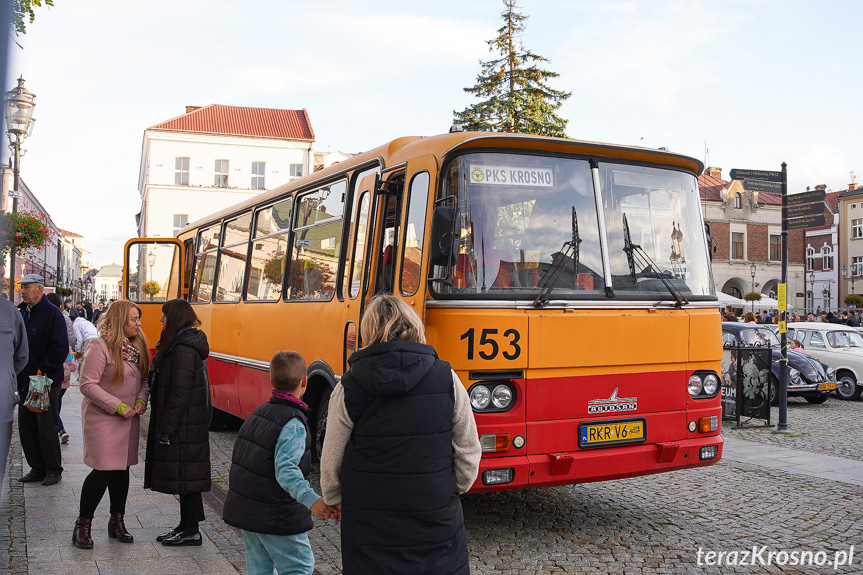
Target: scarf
{"points": [[289, 397], [130, 352]]}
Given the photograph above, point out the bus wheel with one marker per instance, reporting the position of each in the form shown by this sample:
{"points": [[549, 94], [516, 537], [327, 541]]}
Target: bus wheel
{"points": [[321, 424]]}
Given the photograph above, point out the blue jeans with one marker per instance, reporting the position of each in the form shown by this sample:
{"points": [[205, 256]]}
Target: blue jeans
{"points": [[282, 554]]}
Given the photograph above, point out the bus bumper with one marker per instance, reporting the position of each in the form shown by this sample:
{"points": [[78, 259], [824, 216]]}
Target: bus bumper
{"points": [[585, 466]]}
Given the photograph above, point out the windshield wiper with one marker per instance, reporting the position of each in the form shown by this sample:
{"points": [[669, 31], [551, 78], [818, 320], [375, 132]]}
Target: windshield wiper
{"points": [[546, 282], [636, 255]]}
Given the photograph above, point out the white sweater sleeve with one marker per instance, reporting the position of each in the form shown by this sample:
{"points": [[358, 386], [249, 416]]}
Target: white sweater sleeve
{"points": [[465, 441], [339, 427]]}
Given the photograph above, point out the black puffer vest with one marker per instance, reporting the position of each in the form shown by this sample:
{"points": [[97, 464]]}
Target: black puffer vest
{"points": [[256, 502], [400, 506]]}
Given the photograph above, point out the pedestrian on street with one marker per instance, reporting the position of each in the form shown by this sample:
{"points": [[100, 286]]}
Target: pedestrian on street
{"points": [[49, 347], [729, 314], [14, 353], [269, 496], [85, 332], [70, 310], [401, 511], [114, 385], [88, 311], [852, 320], [97, 313], [69, 365], [178, 439]]}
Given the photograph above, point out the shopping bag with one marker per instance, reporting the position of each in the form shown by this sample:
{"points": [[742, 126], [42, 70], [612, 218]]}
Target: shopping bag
{"points": [[38, 399]]}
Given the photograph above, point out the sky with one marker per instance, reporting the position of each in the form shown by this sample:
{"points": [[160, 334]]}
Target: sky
{"points": [[737, 84]]}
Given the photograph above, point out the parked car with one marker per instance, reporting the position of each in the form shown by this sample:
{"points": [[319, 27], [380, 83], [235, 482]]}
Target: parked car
{"points": [[807, 377], [836, 345]]}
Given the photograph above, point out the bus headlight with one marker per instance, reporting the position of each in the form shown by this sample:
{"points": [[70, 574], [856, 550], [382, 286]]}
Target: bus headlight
{"points": [[501, 397], [491, 396], [695, 385], [711, 384], [703, 385], [480, 397]]}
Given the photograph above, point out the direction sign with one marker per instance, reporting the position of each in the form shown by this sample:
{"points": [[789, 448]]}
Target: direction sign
{"points": [[799, 210], [807, 197], [762, 186], [807, 222], [755, 175]]}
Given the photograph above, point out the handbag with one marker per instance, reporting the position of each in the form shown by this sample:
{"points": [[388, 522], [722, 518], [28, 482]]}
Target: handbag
{"points": [[38, 400]]}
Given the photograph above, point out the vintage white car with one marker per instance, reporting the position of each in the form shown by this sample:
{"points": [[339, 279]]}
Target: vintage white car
{"points": [[835, 345]]}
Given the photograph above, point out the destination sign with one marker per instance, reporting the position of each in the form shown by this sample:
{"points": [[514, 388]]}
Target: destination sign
{"points": [[755, 175], [762, 186], [807, 197], [511, 176], [800, 210], [807, 222]]}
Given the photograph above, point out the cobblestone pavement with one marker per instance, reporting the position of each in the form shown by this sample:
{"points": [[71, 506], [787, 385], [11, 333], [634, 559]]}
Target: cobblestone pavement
{"points": [[832, 428], [656, 524]]}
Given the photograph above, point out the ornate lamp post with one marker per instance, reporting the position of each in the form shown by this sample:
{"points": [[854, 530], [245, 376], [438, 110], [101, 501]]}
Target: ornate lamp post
{"points": [[812, 281], [752, 269], [852, 278], [19, 121], [826, 293], [151, 259]]}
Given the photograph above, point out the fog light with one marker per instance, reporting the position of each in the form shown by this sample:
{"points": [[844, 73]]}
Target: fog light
{"points": [[693, 426], [518, 441], [708, 452], [495, 443], [707, 424], [497, 476]]}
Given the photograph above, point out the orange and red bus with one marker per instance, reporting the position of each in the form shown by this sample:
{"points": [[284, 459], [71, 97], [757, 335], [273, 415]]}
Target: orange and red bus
{"points": [[567, 283]]}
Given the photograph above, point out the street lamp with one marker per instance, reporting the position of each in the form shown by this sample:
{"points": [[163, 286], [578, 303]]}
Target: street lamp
{"points": [[812, 281], [19, 121], [752, 269], [826, 293], [852, 279], [151, 258]]}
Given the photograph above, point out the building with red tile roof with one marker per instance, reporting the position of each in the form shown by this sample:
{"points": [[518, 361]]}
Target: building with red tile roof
{"points": [[746, 229], [215, 156]]}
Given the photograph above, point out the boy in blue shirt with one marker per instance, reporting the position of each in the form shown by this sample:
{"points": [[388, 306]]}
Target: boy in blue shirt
{"points": [[269, 496]]}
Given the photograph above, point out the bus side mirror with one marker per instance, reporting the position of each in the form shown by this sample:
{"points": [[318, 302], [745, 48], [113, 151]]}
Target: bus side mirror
{"points": [[444, 242]]}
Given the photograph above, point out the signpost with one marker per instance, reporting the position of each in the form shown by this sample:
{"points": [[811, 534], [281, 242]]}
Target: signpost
{"points": [[807, 197], [762, 186], [763, 180], [804, 222], [800, 210]]}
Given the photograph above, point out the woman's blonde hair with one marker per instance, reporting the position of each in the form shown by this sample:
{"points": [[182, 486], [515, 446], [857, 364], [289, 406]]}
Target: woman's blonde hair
{"points": [[111, 329], [390, 319]]}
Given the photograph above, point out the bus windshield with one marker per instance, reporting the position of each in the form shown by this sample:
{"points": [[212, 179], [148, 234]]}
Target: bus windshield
{"points": [[528, 222]]}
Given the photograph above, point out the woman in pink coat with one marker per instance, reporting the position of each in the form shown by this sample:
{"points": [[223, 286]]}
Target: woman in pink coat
{"points": [[114, 385]]}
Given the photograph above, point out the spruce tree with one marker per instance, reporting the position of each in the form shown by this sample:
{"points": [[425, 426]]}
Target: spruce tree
{"points": [[515, 96]]}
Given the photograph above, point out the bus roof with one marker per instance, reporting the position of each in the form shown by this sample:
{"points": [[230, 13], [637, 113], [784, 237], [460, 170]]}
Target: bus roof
{"points": [[402, 149]]}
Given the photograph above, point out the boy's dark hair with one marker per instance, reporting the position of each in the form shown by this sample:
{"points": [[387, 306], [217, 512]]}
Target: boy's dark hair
{"points": [[287, 369]]}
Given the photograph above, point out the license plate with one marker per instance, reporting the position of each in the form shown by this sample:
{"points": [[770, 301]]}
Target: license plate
{"points": [[611, 432], [827, 386]]}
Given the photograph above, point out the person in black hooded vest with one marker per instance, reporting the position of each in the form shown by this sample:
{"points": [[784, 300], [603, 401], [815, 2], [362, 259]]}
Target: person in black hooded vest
{"points": [[401, 445], [269, 496]]}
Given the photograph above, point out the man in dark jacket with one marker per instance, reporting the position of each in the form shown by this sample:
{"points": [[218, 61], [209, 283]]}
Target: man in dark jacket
{"points": [[49, 346]]}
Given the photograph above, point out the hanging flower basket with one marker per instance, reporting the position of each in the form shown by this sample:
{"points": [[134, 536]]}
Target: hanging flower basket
{"points": [[752, 296], [23, 230], [151, 288], [853, 300]]}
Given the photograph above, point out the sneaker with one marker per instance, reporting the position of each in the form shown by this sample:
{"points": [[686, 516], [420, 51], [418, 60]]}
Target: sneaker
{"points": [[64, 437]]}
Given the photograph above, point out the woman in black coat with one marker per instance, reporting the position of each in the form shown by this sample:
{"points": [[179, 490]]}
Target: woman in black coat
{"points": [[178, 440]]}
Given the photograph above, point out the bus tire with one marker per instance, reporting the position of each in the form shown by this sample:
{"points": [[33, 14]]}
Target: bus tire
{"points": [[321, 424]]}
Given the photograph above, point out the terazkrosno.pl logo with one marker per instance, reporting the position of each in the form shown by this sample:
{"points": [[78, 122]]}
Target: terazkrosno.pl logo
{"points": [[613, 404]]}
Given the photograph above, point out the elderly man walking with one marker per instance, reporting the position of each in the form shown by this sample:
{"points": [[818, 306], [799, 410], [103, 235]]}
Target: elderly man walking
{"points": [[14, 354], [49, 347]]}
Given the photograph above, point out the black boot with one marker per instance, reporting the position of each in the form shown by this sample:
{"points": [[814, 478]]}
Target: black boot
{"points": [[81, 535]]}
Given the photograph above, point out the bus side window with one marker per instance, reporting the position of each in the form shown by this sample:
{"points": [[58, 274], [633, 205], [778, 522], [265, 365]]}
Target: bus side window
{"points": [[387, 254], [188, 265]]}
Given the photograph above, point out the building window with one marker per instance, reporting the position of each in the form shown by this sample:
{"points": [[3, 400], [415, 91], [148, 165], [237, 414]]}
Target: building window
{"points": [[857, 266], [181, 173], [738, 202], [258, 175], [775, 248], [296, 170], [826, 258], [180, 221], [857, 229], [737, 245], [221, 180], [810, 258]]}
